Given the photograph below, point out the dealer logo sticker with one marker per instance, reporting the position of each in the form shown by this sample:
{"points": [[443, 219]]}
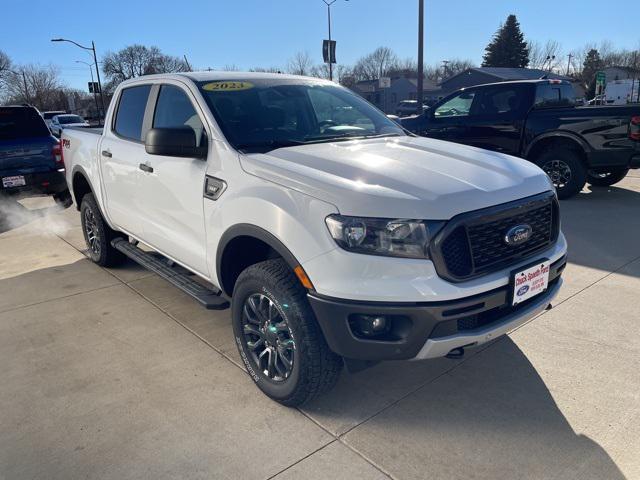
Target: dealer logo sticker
{"points": [[522, 290]]}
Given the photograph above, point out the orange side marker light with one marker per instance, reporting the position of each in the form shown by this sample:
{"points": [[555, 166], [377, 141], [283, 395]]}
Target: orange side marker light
{"points": [[302, 276]]}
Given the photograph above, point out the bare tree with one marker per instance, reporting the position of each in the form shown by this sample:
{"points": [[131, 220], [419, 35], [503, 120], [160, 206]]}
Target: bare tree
{"points": [[137, 60], [43, 86], [546, 57], [300, 64], [5, 63], [404, 68], [266, 69], [376, 64]]}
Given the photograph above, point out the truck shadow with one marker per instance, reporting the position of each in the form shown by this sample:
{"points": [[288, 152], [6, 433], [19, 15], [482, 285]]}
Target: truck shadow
{"points": [[602, 227], [491, 417]]}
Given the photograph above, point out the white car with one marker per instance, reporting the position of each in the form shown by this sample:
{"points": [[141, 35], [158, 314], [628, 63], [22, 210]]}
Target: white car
{"points": [[60, 122], [48, 115], [336, 239]]}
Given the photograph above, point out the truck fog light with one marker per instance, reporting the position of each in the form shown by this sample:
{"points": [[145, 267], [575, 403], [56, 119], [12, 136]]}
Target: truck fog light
{"points": [[378, 323], [369, 325]]}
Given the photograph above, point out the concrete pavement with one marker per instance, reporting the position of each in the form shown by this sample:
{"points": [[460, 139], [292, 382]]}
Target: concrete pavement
{"points": [[116, 374]]}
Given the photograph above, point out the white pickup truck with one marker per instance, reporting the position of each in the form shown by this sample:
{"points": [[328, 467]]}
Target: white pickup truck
{"points": [[334, 236]]}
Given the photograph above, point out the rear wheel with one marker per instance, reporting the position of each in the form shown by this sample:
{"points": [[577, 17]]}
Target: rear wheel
{"points": [[63, 199], [565, 169], [98, 235], [278, 337], [606, 178]]}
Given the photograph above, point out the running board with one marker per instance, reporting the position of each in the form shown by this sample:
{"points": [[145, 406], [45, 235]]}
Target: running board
{"points": [[209, 298]]}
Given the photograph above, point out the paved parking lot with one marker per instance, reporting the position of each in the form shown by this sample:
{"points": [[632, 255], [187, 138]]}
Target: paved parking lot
{"points": [[116, 374]]}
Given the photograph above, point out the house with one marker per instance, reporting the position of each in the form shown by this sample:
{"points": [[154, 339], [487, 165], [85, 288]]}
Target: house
{"points": [[481, 75], [402, 88]]}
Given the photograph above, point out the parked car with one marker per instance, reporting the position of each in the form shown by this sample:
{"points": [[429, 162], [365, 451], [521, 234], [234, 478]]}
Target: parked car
{"points": [[408, 107], [538, 120], [333, 238], [48, 116], [60, 122], [30, 158]]}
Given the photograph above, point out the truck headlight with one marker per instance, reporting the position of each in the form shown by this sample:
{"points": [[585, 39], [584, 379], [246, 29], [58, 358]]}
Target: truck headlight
{"points": [[383, 236]]}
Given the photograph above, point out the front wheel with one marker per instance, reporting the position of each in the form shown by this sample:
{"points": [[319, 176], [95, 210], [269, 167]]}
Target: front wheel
{"points": [[565, 169], [606, 179], [278, 337]]}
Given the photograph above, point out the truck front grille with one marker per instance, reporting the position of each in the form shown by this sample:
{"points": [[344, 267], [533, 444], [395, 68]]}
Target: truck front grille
{"points": [[473, 244]]}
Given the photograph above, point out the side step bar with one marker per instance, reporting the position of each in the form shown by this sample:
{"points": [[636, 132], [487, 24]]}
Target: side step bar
{"points": [[209, 298]]}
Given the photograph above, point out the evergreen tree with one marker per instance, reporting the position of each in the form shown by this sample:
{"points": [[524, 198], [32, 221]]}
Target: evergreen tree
{"points": [[508, 47], [592, 65]]}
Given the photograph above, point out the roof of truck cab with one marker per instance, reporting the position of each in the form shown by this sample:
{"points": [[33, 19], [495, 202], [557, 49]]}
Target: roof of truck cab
{"points": [[215, 76], [518, 82]]}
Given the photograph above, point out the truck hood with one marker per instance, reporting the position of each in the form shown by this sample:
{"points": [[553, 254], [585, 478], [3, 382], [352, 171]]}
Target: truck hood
{"points": [[400, 177]]}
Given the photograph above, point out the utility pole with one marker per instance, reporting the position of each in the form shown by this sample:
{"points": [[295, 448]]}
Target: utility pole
{"points": [[445, 68], [187, 62], [419, 95], [24, 82], [569, 63]]}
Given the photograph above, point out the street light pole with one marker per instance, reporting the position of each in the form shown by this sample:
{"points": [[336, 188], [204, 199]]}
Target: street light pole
{"points": [[420, 94], [329, 3], [95, 98], [95, 60]]}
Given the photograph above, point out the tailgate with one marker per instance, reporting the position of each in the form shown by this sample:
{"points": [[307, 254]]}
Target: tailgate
{"points": [[26, 156]]}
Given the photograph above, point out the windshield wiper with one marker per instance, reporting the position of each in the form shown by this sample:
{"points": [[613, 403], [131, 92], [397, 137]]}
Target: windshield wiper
{"points": [[348, 136], [269, 145]]}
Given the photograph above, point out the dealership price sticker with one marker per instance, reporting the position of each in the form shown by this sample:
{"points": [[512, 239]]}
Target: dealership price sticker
{"points": [[530, 282]]}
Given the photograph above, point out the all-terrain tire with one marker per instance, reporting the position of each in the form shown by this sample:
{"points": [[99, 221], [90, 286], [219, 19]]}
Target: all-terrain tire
{"points": [[98, 235], [315, 367], [606, 179], [63, 199], [565, 169]]}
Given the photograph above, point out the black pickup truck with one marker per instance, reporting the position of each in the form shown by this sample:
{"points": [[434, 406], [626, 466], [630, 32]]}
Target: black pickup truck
{"points": [[539, 120]]}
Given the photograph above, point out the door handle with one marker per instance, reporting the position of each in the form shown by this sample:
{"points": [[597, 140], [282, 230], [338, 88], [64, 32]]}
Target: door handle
{"points": [[146, 168], [106, 153]]}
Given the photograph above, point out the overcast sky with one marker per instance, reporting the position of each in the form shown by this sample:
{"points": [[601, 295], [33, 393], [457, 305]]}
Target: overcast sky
{"points": [[250, 33]]}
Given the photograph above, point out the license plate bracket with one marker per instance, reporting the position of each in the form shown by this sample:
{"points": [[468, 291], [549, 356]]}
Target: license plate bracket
{"points": [[14, 181], [529, 281]]}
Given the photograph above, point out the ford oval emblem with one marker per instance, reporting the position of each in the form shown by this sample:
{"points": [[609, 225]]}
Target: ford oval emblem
{"points": [[518, 234], [522, 290]]}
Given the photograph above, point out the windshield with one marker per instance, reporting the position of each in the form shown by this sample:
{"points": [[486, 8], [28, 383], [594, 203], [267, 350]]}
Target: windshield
{"points": [[265, 114], [64, 119], [18, 122]]}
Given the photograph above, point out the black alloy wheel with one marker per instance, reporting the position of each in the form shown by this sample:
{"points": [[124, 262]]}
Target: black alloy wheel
{"points": [[268, 337]]}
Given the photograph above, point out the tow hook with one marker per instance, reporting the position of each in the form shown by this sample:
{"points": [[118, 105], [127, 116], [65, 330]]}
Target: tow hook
{"points": [[456, 353]]}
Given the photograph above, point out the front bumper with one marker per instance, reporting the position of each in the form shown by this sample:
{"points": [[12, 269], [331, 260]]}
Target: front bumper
{"points": [[429, 330], [44, 183]]}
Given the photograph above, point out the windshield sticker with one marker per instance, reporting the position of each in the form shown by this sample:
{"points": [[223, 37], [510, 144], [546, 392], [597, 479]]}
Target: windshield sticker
{"points": [[227, 86]]}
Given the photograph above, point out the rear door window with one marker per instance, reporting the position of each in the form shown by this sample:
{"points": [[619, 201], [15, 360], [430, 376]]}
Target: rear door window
{"points": [[502, 100], [555, 95], [18, 122], [130, 114]]}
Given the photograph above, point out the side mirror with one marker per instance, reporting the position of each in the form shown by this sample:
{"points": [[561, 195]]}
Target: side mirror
{"points": [[174, 142]]}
